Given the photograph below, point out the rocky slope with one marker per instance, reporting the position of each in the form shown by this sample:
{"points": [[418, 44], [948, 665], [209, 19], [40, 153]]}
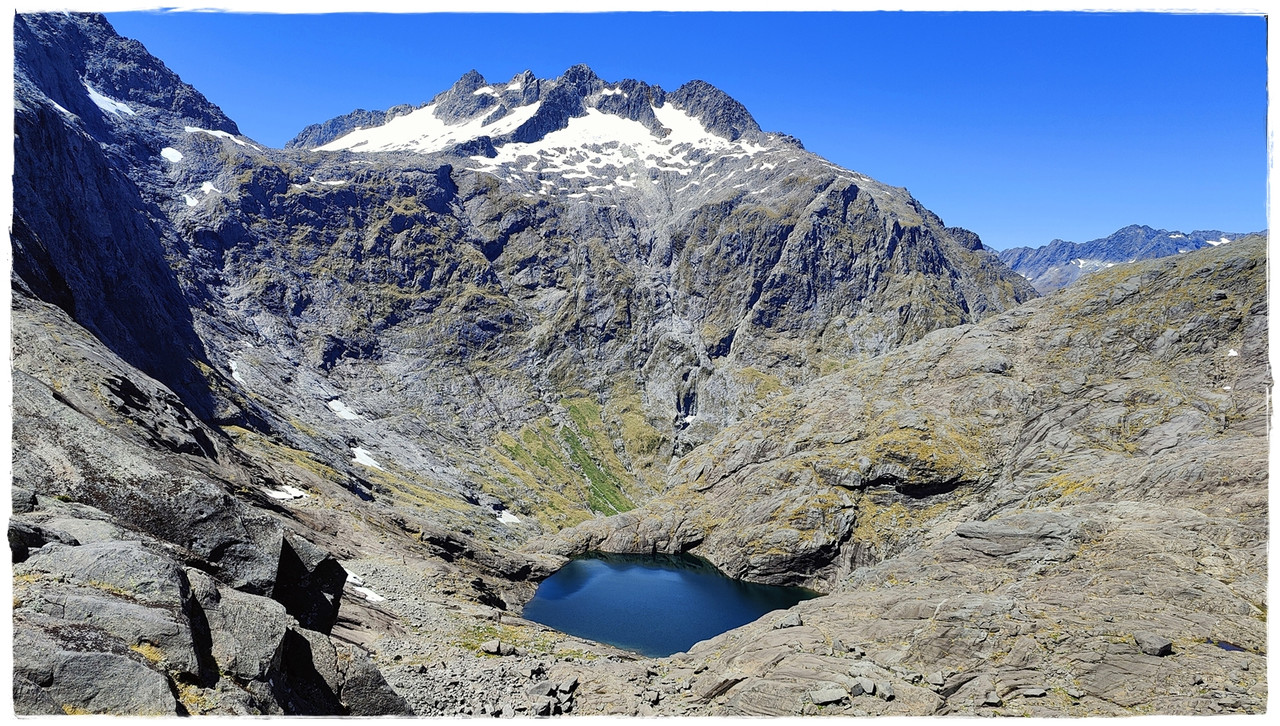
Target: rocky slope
{"points": [[1006, 514], [1060, 263], [296, 430]]}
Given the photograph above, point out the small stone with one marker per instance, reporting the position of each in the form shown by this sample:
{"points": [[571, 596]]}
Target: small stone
{"points": [[992, 699], [541, 706], [791, 620], [884, 690], [1075, 693], [1153, 644], [497, 647], [837, 646], [1034, 692], [935, 679], [568, 685], [825, 696], [652, 697]]}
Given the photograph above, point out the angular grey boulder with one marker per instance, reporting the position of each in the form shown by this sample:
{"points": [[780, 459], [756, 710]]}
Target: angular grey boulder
{"points": [[1153, 644]]}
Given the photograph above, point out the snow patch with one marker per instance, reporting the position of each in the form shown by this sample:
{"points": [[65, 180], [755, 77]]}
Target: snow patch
{"points": [[110, 105], [340, 409], [613, 92], [191, 201], [1177, 235], [285, 492], [507, 517], [423, 132], [1220, 241], [219, 134], [171, 154], [485, 90], [1232, 353], [64, 111], [209, 187], [235, 373], [369, 595], [362, 456], [1226, 388], [353, 578]]}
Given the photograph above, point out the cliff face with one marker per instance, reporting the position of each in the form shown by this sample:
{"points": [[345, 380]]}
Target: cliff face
{"points": [[417, 341]]}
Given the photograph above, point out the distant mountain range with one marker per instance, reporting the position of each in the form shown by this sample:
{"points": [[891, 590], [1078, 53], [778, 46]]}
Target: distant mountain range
{"points": [[1061, 263]]}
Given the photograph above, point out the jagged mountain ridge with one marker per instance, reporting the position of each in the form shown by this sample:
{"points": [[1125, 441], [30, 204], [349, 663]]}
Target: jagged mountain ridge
{"points": [[1060, 263]]}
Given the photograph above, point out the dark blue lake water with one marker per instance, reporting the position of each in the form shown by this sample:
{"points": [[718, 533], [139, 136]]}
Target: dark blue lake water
{"points": [[653, 604]]}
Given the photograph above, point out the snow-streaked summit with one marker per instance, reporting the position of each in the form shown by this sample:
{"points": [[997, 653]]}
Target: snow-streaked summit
{"points": [[580, 137]]}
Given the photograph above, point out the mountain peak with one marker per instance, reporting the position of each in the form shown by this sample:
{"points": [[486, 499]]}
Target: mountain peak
{"points": [[470, 81], [95, 73], [580, 74], [720, 112]]}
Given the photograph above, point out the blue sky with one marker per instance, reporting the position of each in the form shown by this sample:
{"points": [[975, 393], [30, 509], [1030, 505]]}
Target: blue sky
{"points": [[1023, 127]]}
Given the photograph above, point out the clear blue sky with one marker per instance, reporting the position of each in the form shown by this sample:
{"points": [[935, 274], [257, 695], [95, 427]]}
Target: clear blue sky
{"points": [[1023, 127]]}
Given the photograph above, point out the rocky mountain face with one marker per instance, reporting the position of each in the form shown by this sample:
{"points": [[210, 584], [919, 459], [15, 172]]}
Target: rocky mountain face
{"points": [[1061, 263], [299, 430], [1005, 514]]}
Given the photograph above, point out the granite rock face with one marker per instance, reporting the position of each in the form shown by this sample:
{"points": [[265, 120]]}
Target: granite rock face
{"points": [[566, 314]]}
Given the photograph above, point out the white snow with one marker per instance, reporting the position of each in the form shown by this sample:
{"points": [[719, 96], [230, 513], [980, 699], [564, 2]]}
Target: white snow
{"points": [[63, 110], [335, 182], [362, 457], [191, 201], [1232, 353], [1220, 241], [219, 134], [110, 105], [612, 92], [1177, 235], [688, 419], [285, 492], [171, 154], [209, 187], [423, 132], [514, 86], [484, 90], [354, 579], [340, 408], [369, 595], [507, 517], [1226, 388], [235, 373]]}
